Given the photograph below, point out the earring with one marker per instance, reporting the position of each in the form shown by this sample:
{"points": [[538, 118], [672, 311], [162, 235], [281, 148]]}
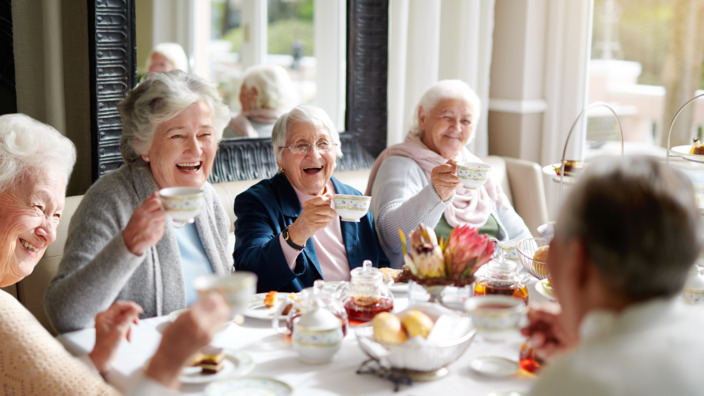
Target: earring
{"points": [[282, 170], [146, 158]]}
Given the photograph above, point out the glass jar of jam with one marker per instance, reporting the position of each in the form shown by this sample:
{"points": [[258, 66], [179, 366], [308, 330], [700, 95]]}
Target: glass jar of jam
{"points": [[367, 294]]}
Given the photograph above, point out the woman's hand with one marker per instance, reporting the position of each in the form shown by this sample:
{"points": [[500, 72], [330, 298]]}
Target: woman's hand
{"points": [[191, 331], [317, 213], [444, 179], [146, 226], [111, 326], [547, 334]]}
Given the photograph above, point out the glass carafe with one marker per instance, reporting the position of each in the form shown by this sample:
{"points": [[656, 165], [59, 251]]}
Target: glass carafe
{"points": [[367, 294], [501, 277], [320, 295]]}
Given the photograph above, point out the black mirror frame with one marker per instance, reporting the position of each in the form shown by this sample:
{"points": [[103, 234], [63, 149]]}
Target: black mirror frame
{"points": [[113, 74]]}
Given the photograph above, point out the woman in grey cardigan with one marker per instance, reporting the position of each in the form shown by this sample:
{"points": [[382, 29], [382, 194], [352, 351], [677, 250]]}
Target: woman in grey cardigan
{"points": [[416, 181], [121, 244]]}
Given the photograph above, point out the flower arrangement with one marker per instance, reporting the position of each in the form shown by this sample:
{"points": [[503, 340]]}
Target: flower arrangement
{"points": [[433, 263]]}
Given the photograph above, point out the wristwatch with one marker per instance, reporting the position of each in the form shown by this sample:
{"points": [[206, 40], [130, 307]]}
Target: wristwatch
{"points": [[288, 240]]}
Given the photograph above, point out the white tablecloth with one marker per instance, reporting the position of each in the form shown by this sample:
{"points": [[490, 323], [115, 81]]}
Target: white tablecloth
{"points": [[275, 358]]}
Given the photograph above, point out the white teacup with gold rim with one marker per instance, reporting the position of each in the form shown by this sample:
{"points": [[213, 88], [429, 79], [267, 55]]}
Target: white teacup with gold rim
{"points": [[182, 203], [236, 288], [351, 207]]}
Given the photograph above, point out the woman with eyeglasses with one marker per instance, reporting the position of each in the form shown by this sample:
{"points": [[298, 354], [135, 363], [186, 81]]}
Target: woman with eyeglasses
{"points": [[286, 229]]}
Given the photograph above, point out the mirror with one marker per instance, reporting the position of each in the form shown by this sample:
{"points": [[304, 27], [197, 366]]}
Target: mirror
{"points": [[113, 53]]}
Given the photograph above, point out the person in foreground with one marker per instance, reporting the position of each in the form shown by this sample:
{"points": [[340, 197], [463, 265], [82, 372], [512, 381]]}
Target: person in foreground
{"points": [[266, 92], [121, 244], [286, 229], [35, 163], [416, 181], [624, 241]]}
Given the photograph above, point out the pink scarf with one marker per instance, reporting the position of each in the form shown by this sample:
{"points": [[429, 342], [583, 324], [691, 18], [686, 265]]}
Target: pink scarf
{"points": [[243, 127], [471, 207]]}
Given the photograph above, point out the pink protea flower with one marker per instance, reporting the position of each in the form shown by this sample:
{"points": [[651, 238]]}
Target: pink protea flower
{"points": [[466, 251]]}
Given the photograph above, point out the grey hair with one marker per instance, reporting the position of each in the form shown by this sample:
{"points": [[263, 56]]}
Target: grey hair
{"points": [[274, 87], [639, 223], [308, 114], [173, 52], [159, 98], [27, 145], [441, 90]]}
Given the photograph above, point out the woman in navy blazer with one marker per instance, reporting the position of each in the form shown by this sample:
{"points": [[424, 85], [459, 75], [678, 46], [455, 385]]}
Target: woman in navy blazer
{"points": [[286, 230]]}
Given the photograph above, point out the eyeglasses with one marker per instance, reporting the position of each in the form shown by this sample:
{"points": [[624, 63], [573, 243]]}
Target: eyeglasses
{"points": [[304, 147]]}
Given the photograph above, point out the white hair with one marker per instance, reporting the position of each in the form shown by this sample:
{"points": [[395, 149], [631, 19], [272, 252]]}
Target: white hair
{"points": [[27, 146], [159, 98], [274, 87], [173, 52], [308, 114], [441, 90]]}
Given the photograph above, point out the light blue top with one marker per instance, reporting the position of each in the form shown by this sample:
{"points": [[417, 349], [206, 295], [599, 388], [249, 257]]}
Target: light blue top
{"points": [[193, 259]]}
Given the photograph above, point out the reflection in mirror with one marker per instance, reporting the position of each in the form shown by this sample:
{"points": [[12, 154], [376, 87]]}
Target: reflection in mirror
{"points": [[240, 35]]}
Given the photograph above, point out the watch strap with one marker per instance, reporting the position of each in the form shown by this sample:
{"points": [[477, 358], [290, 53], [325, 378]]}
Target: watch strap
{"points": [[288, 240]]}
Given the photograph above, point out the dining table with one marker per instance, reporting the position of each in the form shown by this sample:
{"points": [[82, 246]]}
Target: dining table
{"points": [[262, 352]]}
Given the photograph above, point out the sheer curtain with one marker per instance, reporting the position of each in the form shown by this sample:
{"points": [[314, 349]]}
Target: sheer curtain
{"points": [[436, 40]]}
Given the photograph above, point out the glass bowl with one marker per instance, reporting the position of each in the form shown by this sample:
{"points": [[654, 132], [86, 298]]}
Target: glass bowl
{"points": [[526, 252]]}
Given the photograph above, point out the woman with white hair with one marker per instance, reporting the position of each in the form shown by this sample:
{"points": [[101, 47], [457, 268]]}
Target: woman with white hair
{"points": [[166, 57], [121, 244], [286, 229], [266, 92], [35, 165], [416, 181]]}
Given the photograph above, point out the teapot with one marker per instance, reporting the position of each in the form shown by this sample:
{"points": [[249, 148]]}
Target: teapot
{"points": [[366, 294], [317, 335], [500, 277], [321, 295]]}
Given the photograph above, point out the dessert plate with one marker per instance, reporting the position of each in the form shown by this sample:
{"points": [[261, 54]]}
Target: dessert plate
{"points": [[683, 151], [543, 288], [494, 366], [237, 363], [549, 170], [257, 310], [249, 386]]}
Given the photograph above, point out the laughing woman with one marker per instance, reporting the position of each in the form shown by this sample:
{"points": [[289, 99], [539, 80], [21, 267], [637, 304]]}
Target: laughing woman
{"points": [[121, 244], [286, 230]]}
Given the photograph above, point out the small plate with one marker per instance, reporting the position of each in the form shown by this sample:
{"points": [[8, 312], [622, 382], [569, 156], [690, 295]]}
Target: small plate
{"points": [[247, 386], [543, 288], [683, 151], [257, 310], [237, 363], [550, 171], [494, 366]]}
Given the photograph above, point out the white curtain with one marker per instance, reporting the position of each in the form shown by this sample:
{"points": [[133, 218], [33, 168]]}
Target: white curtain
{"points": [[432, 40]]}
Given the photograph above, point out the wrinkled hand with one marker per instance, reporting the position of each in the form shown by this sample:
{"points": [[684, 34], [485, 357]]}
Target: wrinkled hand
{"points": [[316, 214], [111, 326], [444, 179], [191, 331], [546, 331], [146, 226]]}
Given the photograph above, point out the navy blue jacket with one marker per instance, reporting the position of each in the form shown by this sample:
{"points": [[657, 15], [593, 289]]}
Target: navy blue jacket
{"points": [[264, 210]]}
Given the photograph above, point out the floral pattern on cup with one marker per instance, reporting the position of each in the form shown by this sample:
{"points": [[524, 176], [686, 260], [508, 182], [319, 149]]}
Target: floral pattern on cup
{"points": [[509, 249], [182, 203], [473, 175], [351, 207], [317, 336], [692, 296]]}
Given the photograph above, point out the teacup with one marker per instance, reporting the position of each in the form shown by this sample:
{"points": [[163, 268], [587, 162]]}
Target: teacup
{"points": [[182, 203], [495, 316], [508, 248], [351, 207], [473, 175], [237, 288], [317, 336]]}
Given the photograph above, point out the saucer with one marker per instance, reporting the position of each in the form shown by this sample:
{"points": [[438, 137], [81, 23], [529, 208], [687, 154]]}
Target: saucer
{"points": [[249, 386], [494, 366]]}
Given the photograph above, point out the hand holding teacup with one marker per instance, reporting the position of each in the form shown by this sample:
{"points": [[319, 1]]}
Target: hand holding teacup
{"points": [[317, 213], [146, 226], [444, 179]]}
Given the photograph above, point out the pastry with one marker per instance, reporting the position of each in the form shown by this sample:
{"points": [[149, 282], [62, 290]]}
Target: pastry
{"points": [[390, 274], [541, 254], [417, 323], [388, 328], [212, 360], [270, 299]]}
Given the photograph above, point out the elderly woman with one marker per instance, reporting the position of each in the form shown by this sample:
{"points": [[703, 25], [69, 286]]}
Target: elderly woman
{"points": [[166, 57], [416, 181], [286, 230], [266, 92], [624, 242], [35, 164], [121, 244]]}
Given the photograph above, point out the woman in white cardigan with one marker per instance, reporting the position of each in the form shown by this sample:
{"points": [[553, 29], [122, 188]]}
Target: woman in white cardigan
{"points": [[416, 181], [35, 163]]}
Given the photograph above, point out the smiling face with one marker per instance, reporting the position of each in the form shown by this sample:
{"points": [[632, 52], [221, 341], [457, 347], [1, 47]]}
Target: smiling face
{"points": [[159, 63], [29, 215], [308, 172], [183, 149], [447, 126]]}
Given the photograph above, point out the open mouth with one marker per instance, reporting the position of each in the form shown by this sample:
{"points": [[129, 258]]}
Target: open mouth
{"points": [[312, 171], [29, 246], [189, 166]]}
